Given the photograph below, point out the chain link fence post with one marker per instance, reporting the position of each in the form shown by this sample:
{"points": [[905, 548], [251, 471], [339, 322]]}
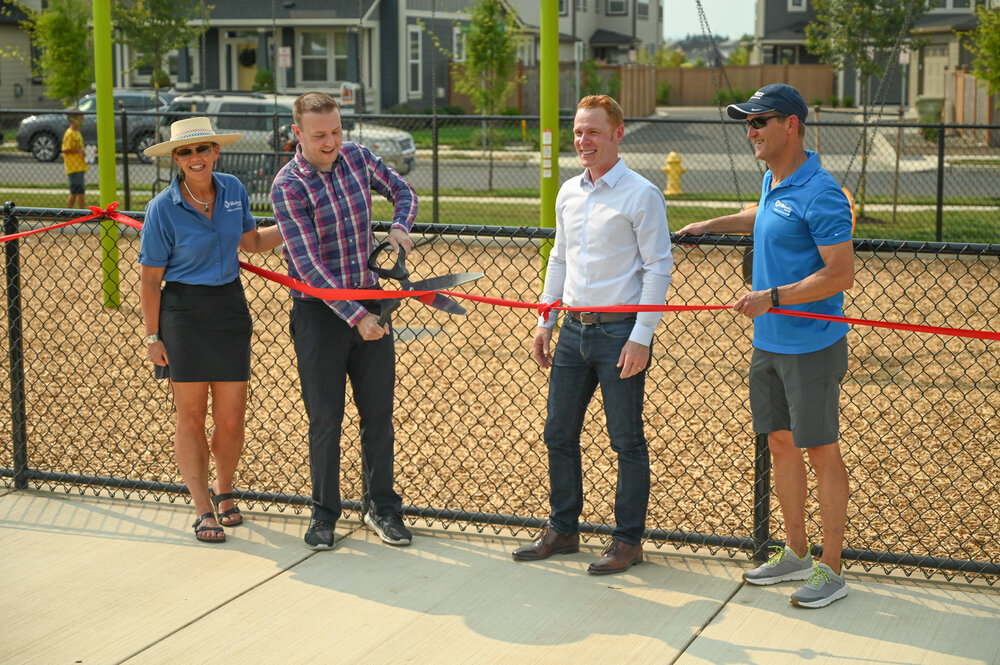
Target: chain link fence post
{"points": [[761, 497], [19, 434]]}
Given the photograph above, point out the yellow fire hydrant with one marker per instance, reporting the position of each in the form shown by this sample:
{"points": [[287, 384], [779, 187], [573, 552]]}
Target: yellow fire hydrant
{"points": [[673, 169]]}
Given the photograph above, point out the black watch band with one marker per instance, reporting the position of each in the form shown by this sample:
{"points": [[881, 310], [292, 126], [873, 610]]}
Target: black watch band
{"points": [[774, 296]]}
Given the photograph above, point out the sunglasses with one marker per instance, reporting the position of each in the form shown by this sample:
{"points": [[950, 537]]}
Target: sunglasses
{"points": [[201, 150], [761, 122]]}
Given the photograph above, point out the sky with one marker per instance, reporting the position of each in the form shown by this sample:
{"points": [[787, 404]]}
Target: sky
{"points": [[733, 18]]}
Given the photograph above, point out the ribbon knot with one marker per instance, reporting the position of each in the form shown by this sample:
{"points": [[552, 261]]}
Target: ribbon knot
{"points": [[545, 308]]}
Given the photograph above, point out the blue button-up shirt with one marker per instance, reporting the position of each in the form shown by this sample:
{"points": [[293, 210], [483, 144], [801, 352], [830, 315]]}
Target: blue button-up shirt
{"points": [[191, 247], [325, 220]]}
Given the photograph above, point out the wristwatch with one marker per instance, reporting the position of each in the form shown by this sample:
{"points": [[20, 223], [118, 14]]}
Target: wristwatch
{"points": [[151, 339], [774, 296]]}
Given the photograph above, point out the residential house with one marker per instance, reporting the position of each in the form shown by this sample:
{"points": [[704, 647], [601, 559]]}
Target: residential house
{"points": [[398, 50], [780, 38], [18, 87], [609, 31]]}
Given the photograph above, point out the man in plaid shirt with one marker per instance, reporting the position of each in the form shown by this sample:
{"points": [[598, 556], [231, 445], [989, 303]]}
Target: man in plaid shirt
{"points": [[322, 204]]}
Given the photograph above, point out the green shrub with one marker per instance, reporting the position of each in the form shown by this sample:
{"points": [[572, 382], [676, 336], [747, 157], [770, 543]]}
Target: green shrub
{"points": [[263, 80], [663, 93], [848, 101]]}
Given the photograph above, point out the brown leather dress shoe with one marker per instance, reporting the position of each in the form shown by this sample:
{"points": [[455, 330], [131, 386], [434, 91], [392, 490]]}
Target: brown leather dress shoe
{"points": [[549, 543], [618, 557]]}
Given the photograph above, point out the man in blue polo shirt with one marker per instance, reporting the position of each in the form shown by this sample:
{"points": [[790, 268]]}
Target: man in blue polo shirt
{"points": [[803, 260]]}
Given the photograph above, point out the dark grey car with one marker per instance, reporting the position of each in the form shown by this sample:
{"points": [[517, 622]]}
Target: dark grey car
{"points": [[41, 135]]}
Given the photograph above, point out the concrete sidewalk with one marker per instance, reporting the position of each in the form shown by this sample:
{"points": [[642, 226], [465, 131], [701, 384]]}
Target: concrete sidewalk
{"points": [[101, 580]]}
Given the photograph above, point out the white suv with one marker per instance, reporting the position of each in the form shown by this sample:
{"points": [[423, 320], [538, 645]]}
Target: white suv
{"points": [[253, 115]]}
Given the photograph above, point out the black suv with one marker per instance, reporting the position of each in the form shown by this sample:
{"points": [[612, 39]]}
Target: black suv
{"points": [[41, 135]]}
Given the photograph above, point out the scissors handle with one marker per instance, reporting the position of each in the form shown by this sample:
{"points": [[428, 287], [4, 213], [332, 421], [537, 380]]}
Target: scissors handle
{"points": [[397, 272], [387, 307]]}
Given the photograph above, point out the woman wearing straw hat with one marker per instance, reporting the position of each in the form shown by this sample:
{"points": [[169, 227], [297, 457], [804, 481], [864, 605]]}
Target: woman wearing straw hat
{"points": [[198, 327]]}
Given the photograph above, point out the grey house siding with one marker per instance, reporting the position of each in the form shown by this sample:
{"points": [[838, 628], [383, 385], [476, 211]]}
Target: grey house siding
{"points": [[390, 43]]}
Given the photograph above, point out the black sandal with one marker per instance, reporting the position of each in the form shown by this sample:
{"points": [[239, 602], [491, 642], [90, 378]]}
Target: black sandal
{"points": [[198, 530], [234, 511]]}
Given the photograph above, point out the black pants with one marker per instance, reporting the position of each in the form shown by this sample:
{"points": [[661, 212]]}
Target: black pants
{"points": [[329, 352]]}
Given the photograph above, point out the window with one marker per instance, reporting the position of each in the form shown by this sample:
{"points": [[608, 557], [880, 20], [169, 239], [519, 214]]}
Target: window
{"points": [[322, 56], [563, 7], [796, 5], [458, 44], [413, 61], [251, 120], [952, 5], [617, 8], [642, 9], [581, 5]]}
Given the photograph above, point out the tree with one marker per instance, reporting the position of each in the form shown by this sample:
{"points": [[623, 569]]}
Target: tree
{"points": [[60, 32], [490, 72], [862, 35], [153, 28], [741, 56], [984, 43]]}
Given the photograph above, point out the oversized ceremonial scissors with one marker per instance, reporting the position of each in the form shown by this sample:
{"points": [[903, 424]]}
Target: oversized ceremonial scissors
{"points": [[400, 273]]}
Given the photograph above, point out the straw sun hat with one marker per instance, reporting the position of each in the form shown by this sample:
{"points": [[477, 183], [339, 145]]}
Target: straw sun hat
{"points": [[190, 131]]}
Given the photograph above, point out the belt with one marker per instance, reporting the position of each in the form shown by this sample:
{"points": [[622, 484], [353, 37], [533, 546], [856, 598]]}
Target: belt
{"points": [[590, 318]]}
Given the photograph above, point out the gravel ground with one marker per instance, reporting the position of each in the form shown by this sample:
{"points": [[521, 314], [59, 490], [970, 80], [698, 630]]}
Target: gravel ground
{"points": [[919, 412]]}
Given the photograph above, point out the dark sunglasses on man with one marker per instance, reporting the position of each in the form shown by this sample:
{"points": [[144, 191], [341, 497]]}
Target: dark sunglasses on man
{"points": [[201, 150], [760, 122]]}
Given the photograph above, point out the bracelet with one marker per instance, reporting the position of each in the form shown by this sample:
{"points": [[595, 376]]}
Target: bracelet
{"points": [[774, 296]]}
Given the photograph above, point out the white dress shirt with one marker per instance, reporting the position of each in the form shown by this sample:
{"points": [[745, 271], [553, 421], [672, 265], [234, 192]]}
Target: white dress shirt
{"points": [[612, 247]]}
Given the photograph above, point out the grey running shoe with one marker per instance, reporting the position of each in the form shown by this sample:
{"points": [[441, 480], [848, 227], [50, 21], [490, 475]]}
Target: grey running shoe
{"points": [[389, 527], [822, 588], [319, 535], [783, 566]]}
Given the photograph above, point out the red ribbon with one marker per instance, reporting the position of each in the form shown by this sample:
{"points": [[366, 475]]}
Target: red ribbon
{"points": [[543, 309]]}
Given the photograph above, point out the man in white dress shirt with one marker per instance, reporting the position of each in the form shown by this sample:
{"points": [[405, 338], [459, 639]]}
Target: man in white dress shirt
{"points": [[612, 247]]}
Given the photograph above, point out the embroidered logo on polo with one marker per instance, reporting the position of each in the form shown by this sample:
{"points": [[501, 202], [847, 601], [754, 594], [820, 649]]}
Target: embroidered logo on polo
{"points": [[782, 208], [232, 206]]}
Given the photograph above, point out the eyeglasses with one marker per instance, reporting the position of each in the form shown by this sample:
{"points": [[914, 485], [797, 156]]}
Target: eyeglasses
{"points": [[201, 150], [761, 122]]}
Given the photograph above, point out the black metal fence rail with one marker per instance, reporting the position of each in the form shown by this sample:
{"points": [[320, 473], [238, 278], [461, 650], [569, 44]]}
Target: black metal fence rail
{"points": [[919, 412]]}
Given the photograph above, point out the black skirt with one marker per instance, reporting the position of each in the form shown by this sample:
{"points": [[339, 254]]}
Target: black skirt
{"points": [[206, 331]]}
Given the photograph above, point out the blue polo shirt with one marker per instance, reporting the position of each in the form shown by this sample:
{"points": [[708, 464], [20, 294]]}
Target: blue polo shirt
{"points": [[192, 248], [807, 210]]}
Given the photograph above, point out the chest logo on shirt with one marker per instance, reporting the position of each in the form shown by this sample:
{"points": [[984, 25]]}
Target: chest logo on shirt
{"points": [[782, 208], [233, 206]]}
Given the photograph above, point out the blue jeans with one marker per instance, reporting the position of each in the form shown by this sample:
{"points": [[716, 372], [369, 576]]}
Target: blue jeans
{"points": [[585, 357]]}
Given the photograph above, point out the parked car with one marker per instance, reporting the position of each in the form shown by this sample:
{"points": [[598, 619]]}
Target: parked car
{"points": [[41, 135], [253, 115]]}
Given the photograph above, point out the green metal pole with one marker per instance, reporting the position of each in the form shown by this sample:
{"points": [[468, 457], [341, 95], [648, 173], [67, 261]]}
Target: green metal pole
{"points": [[549, 112], [106, 155]]}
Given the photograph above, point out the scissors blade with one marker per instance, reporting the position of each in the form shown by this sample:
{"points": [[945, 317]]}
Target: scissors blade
{"points": [[443, 281], [446, 304]]}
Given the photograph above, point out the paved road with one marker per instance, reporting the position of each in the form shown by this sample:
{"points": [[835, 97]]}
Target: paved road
{"points": [[694, 134]]}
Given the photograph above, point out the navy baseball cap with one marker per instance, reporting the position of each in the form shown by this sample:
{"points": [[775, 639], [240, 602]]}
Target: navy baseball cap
{"points": [[772, 97]]}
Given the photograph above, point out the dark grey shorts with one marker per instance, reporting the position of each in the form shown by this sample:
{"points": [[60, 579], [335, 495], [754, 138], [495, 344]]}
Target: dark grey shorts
{"points": [[799, 392], [76, 184]]}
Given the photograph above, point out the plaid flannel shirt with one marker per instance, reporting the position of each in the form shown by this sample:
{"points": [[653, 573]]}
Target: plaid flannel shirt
{"points": [[325, 220]]}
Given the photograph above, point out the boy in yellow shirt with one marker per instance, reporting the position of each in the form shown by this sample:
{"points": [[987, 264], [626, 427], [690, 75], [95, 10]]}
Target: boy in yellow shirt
{"points": [[74, 158]]}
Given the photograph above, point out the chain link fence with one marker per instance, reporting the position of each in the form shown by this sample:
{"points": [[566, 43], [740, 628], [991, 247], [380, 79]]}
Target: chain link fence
{"points": [[909, 181], [919, 412]]}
